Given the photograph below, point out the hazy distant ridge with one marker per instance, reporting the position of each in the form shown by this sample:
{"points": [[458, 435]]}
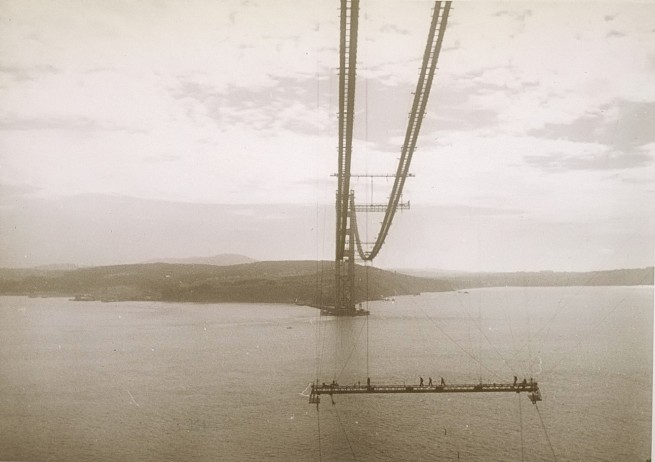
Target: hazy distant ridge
{"points": [[617, 277], [304, 282], [224, 259]]}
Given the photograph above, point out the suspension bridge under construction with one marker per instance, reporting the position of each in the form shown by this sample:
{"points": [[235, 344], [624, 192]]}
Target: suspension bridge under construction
{"points": [[348, 241]]}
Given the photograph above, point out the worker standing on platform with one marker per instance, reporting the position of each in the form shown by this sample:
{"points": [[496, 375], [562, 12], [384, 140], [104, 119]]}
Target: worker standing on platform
{"points": [[421, 383], [443, 382], [429, 381]]}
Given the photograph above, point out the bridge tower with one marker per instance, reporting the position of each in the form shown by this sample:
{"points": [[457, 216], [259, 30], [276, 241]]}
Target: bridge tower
{"points": [[344, 264], [347, 236]]}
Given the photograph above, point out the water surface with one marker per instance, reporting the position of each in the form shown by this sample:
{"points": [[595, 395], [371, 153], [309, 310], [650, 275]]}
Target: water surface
{"points": [[156, 381]]}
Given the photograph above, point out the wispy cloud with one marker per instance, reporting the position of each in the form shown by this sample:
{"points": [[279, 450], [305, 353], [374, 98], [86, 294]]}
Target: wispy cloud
{"points": [[20, 74], [9, 191], [621, 125], [81, 124], [292, 104], [596, 161], [519, 15], [614, 33]]}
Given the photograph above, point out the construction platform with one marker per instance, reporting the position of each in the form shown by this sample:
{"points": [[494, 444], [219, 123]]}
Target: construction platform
{"points": [[532, 388]]}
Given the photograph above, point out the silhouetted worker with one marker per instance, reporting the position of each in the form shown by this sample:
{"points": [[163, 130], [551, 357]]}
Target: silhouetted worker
{"points": [[443, 382], [368, 382], [430, 381], [515, 380], [524, 383], [421, 384]]}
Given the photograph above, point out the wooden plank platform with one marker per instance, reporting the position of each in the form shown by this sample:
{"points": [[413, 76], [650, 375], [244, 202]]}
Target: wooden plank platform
{"points": [[335, 389]]}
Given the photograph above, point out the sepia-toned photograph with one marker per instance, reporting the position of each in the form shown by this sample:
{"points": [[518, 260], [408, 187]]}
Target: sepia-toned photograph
{"points": [[326, 230]]}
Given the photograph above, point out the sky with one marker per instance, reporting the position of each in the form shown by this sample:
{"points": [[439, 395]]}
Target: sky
{"points": [[131, 131]]}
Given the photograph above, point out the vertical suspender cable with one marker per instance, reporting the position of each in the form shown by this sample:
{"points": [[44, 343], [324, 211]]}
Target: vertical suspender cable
{"points": [[545, 432], [352, 451], [480, 340], [520, 424], [318, 420]]}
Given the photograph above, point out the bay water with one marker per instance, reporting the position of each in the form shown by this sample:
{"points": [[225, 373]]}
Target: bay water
{"points": [[151, 381]]}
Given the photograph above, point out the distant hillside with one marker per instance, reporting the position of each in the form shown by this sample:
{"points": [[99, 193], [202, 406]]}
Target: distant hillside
{"points": [[17, 274], [619, 277], [57, 267], [305, 282], [224, 259]]}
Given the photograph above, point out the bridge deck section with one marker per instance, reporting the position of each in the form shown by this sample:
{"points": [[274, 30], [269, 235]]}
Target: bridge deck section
{"points": [[335, 389], [329, 389]]}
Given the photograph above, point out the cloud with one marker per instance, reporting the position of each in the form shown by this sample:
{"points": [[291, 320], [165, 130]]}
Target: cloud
{"points": [[621, 125], [616, 34], [518, 15], [10, 191], [82, 124], [599, 161], [101, 99], [392, 28], [544, 177], [19, 74], [533, 77], [292, 103]]}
